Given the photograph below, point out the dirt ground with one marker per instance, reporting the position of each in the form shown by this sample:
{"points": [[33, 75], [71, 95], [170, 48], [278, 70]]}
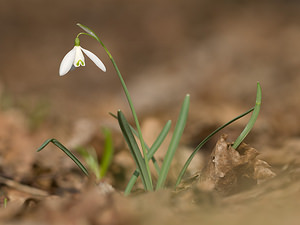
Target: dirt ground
{"points": [[213, 50]]}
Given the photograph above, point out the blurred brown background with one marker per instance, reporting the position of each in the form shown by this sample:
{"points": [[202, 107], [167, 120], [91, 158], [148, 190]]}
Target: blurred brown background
{"points": [[214, 50]]}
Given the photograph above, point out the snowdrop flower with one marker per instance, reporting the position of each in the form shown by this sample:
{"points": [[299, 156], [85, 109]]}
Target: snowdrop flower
{"points": [[75, 58]]}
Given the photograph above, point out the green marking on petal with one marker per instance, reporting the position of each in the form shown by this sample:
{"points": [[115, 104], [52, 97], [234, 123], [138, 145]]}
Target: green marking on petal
{"points": [[80, 62]]}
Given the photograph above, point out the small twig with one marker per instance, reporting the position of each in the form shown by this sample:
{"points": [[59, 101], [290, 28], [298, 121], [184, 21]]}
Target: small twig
{"points": [[23, 188]]}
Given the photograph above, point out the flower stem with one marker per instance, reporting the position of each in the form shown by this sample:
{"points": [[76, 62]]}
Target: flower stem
{"points": [[133, 114], [92, 34]]}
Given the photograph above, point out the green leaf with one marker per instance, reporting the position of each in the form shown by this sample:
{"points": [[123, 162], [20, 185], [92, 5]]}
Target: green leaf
{"points": [[161, 137], [66, 151], [252, 120], [157, 143], [174, 143], [131, 182], [108, 152], [187, 163], [91, 159], [135, 151], [159, 140]]}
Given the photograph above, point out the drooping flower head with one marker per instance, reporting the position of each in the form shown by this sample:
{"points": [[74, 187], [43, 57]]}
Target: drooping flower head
{"points": [[75, 58]]}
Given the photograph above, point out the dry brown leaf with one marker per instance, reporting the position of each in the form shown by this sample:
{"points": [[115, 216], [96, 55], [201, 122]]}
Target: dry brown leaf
{"points": [[230, 170]]}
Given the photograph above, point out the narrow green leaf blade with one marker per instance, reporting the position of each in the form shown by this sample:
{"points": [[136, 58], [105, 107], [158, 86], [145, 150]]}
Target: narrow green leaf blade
{"points": [[187, 163], [67, 152], [135, 151], [131, 182], [107, 154], [151, 153], [44, 144], [157, 143], [252, 120], [174, 142], [160, 139]]}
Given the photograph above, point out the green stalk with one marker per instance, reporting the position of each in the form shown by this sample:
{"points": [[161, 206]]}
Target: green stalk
{"points": [[92, 34]]}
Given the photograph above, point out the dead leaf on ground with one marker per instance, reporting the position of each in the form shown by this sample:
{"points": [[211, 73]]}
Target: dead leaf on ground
{"points": [[231, 170]]}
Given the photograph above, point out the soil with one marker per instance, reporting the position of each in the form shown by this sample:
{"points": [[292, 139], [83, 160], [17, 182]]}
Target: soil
{"points": [[214, 51]]}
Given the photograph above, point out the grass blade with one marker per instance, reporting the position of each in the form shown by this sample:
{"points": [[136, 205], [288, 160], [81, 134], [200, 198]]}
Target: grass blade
{"points": [[161, 137], [107, 154], [174, 142], [252, 120], [66, 151], [157, 143], [135, 151], [131, 182], [187, 163], [91, 159]]}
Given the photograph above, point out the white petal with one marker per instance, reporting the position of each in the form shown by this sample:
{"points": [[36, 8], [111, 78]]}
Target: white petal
{"points": [[79, 58], [67, 62], [95, 59]]}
